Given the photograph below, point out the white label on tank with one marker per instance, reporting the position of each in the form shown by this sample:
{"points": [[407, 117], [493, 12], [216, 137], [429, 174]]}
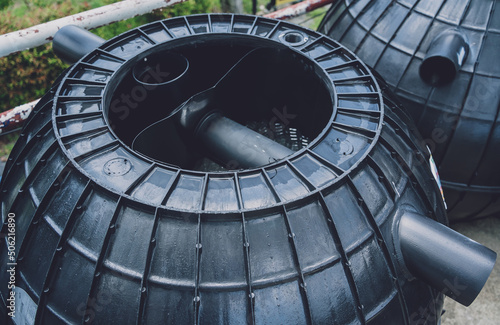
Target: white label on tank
{"points": [[25, 308], [436, 176]]}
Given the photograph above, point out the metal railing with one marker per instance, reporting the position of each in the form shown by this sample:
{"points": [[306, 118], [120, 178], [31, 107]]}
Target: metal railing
{"points": [[40, 34], [298, 9]]}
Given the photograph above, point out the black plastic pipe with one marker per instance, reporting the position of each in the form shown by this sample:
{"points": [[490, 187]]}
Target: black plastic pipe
{"points": [[237, 146], [165, 77], [71, 43], [447, 53], [450, 262], [159, 70]]}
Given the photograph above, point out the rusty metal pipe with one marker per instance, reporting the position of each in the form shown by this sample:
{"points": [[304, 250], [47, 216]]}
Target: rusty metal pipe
{"points": [[43, 33], [14, 118]]}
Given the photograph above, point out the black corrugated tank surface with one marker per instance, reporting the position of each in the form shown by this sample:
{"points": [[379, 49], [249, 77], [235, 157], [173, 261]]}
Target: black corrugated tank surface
{"points": [[227, 169], [441, 59]]}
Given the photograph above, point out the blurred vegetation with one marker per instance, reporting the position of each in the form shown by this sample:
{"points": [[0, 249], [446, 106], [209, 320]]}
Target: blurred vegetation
{"points": [[6, 144], [4, 3]]}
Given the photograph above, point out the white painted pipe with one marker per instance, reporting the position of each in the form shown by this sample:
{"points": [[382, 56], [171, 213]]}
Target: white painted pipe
{"points": [[298, 9], [40, 34], [15, 117]]}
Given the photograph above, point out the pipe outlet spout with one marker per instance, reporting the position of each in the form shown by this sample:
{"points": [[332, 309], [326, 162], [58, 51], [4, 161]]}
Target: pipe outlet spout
{"points": [[446, 55], [450, 262], [71, 43]]}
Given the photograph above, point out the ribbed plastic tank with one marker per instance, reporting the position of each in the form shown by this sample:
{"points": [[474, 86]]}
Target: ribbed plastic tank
{"points": [[227, 169], [440, 58]]}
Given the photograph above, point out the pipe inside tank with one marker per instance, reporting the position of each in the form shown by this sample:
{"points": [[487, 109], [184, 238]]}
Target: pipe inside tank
{"points": [[450, 262], [224, 140], [237, 146], [447, 53]]}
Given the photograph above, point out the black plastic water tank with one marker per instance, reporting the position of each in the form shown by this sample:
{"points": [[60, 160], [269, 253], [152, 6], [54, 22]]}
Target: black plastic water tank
{"points": [[441, 58], [227, 169]]}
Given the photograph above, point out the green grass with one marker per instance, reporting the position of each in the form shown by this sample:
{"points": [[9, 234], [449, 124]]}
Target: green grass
{"points": [[247, 5], [313, 19]]}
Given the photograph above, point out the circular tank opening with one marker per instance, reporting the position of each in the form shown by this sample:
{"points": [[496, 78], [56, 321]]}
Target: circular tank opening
{"points": [[261, 84]]}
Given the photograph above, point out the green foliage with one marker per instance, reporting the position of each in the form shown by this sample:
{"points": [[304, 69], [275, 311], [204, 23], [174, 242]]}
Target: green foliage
{"points": [[182, 9], [248, 5], [4, 3], [192, 7], [27, 75], [7, 142]]}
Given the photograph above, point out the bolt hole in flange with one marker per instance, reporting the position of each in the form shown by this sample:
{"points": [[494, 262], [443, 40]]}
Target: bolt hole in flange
{"points": [[261, 85], [293, 38]]}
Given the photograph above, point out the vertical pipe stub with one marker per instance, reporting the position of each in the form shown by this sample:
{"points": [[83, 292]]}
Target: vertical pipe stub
{"points": [[450, 262], [447, 53], [160, 70], [71, 43], [164, 77]]}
